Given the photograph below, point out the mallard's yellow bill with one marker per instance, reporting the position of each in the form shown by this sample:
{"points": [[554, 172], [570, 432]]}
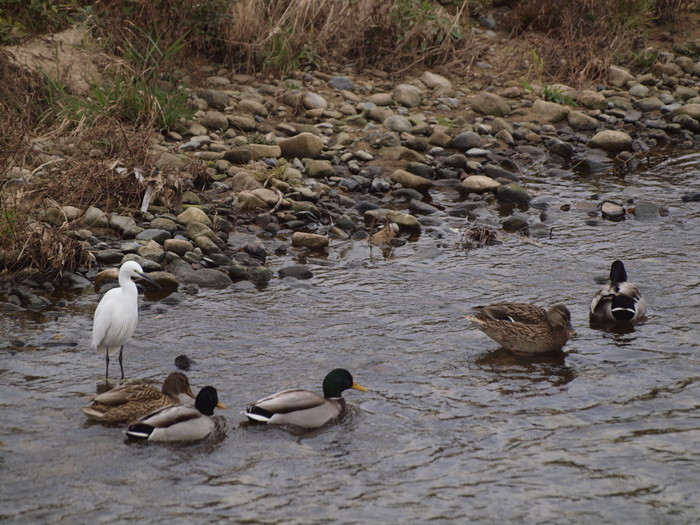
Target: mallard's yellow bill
{"points": [[358, 387]]}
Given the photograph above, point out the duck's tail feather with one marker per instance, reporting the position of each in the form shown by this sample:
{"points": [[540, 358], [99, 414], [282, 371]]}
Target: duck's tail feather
{"points": [[258, 414], [623, 308], [92, 413], [140, 431]]}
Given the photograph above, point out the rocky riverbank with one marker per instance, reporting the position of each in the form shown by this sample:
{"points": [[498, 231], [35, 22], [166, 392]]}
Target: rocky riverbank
{"points": [[296, 165]]}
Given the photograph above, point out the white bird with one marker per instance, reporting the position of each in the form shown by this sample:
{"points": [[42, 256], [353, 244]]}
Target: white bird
{"points": [[117, 314], [180, 422], [620, 301]]}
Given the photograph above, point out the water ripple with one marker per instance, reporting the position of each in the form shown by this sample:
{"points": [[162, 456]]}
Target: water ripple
{"points": [[453, 429]]}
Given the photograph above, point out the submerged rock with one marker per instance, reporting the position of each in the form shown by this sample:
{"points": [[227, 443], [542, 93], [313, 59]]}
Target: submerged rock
{"points": [[514, 193], [297, 271], [647, 210]]}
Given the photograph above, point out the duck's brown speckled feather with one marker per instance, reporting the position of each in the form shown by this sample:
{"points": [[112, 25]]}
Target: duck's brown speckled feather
{"points": [[525, 328], [127, 403]]}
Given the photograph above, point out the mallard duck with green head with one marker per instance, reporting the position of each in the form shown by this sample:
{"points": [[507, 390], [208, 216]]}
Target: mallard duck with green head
{"points": [[304, 408], [180, 422], [525, 329], [128, 402], [620, 301]]}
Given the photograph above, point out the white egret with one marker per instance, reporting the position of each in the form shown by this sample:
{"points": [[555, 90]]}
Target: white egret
{"points": [[117, 314]]}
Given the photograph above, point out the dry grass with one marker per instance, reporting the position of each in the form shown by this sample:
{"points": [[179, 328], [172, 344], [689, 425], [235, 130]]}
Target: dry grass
{"points": [[24, 242], [18, 98], [102, 174], [28, 242], [584, 37], [44, 159], [584, 44], [121, 176], [670, 10], [281, 35], [116, 169], [390, 34], [200, 23], [44, 249]]}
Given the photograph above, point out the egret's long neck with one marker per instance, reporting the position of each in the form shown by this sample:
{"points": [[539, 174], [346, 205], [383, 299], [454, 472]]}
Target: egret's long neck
{"points": [[128, 287]]}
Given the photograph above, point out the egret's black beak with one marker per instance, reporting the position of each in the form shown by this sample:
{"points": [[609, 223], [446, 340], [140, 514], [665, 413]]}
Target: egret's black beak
{"points": [[147, 278]]}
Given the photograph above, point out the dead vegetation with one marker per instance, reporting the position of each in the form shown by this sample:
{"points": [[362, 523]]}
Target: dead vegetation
{"points": [[46, 250], [24, 241], [388, 34], [107, 164], [577, 41], [282, 35], [59, 144], [477, 236]]}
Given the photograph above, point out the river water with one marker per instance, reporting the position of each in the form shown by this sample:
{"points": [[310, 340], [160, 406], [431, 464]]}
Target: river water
{"points": [[452, 430]]}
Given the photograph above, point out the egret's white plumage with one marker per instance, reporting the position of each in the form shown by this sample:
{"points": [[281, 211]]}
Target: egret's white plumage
{"points": [[117, 314]]}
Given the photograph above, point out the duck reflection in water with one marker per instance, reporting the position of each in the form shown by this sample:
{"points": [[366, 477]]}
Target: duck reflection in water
{"points": [[551, 368]]}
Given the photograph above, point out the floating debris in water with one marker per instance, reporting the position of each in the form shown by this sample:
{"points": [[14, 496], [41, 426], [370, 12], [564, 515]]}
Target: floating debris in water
{"points": [[385, 235], [477, 237], [183, 362], [693, 196]]}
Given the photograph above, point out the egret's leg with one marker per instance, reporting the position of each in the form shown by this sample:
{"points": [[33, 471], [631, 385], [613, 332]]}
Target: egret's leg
{"points": [[107, 367], [120, 360]]}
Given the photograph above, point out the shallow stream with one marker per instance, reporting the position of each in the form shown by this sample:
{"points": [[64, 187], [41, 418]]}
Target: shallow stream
{"points": [[453, 430]]}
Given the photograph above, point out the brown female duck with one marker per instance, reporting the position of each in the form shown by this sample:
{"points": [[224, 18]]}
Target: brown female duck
{"points": [[126, 403], [525, 329]]}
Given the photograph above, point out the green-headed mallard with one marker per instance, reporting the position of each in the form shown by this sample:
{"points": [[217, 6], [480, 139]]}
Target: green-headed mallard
{"points": [[304, 408], [126, 403], [180, 422], [523, 328], [620, 301]]}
